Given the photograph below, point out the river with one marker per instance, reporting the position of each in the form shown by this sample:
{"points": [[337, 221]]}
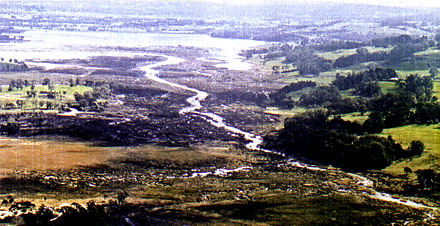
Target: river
{"points": [[41, 46], [255, 140]]}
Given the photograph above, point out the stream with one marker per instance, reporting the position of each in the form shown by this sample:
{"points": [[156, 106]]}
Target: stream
{"points": [[256, 140]]}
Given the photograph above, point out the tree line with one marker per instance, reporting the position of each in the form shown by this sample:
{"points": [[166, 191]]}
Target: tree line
{"points": [[324, 137], [304, 59], [317, 137]]}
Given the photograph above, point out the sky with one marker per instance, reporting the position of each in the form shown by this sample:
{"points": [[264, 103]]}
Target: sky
{"points": [[398, 3]]}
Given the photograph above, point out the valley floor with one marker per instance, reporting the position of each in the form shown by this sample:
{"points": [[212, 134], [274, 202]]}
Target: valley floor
{"points": [[168, 168]]}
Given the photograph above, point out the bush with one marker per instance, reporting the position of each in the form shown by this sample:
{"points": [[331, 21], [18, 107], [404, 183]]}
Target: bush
{"points": [[415, 148]]}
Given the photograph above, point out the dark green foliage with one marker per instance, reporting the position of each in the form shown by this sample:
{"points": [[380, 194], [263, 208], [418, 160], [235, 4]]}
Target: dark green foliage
{"points": [[348, 105], [404, 47], [416, 147], [75, 214], [11, 128], [433, 72], [280, 97], [395, 40], [320, 95], [23, 206], [356, 80], [13, 66], [46, 81], [406, 51], [89, 100], [307, 62], [428, 179], [41, 217], [420, 87], [374, 123], [370, 89], [296, 86], [427, 113], [314, 136], [360, 57], [18, 84], [394, 108]]}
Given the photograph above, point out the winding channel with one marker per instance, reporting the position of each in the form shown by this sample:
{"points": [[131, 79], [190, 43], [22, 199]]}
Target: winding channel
{"points": [[256, 140]]}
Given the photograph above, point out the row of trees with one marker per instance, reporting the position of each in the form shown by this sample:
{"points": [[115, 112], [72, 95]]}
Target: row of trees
{"points": [[404, 47], [90, 101], [307, 62], [304, 59], [324, 137], [411, 103], [318, 137]]}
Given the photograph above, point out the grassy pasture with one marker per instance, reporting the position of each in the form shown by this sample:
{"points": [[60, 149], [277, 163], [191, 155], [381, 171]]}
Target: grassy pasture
{"points": [[66, 95], [355, 117], [334, 55], [387, 87], [428, 134]]}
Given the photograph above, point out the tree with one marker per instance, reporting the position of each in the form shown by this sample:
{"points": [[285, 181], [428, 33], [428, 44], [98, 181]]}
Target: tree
{"points": [[49, 105], [395, 109], [307, 62], [312, 135], [320, 96], [416, 147], [20, 103], [420, 87], [46, 81], [19, 84], [374, 123], [433, 72], [437, 39], [427, 112], [370, 89]]}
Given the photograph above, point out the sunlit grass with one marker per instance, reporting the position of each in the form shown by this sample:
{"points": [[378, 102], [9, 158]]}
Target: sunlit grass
{"points": [[333, 55], [355, 117], [387, 87], [436, 89], [405, 73], [428, 52], [429, 135], [65, 95]]}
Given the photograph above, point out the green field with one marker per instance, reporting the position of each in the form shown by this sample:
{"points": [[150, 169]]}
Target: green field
{"points": [[429, 52], [65, 94], [334, 55], [387, 87], [355, 117], [429, 135]]}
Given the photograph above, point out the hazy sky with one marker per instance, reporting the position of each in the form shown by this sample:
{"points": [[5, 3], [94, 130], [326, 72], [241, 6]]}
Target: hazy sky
{"points": [[400, 3]]}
